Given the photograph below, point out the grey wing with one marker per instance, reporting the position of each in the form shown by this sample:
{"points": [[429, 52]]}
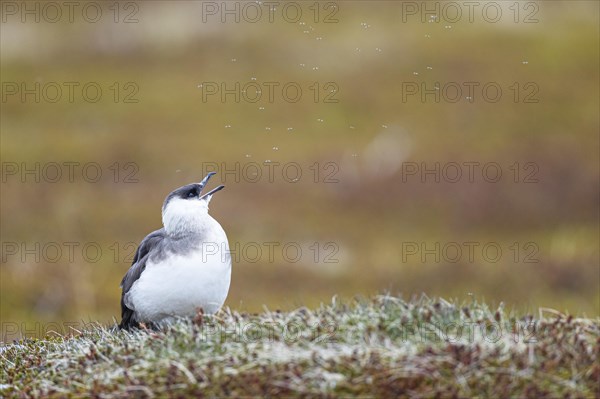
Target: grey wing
{"points": [[138, 265]]}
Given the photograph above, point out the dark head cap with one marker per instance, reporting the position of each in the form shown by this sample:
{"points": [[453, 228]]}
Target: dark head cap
{"points": [[192, 192]]}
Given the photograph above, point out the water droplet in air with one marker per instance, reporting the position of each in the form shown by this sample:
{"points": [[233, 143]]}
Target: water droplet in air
{"points": [[267, 128], [275, 148], [384, 126], [227, 126], [430, 68], [248, 156], [525, 62]]}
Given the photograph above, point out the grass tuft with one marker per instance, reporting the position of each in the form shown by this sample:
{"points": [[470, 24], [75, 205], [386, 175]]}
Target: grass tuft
{"points": [[381, 347]]}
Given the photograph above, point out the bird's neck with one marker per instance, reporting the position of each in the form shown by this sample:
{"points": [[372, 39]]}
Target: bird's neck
{"points": [[202, 228]]}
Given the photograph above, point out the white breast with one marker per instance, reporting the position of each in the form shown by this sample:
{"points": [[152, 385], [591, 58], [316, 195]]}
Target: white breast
{"points": [[181, 285]]}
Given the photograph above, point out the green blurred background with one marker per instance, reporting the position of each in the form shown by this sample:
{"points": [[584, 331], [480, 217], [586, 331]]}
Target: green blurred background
{"points": [[354, 197]]}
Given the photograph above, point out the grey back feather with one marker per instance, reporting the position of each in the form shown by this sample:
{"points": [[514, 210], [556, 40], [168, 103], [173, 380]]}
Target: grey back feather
{"points": [[142, 254]]}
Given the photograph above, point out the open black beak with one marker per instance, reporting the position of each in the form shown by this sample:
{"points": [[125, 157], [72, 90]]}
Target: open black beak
{"points": [[206, 179], [211, 192], [203, 183]]}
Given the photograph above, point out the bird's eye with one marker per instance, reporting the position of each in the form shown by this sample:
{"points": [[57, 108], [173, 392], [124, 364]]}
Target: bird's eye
{"points": [[192, 194]]}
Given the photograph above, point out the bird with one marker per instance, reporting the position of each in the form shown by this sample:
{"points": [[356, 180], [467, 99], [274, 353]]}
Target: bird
{"points": [[181, 269]]}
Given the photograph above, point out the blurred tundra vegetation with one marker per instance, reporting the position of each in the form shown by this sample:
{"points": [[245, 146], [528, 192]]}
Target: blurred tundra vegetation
{"points": [[358, 202]]}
